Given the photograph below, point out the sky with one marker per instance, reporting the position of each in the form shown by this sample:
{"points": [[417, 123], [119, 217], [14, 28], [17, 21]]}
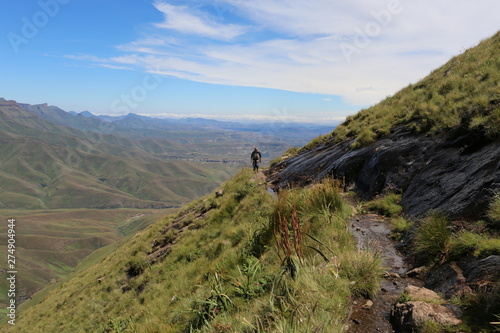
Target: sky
{"points": [[288, 60]]}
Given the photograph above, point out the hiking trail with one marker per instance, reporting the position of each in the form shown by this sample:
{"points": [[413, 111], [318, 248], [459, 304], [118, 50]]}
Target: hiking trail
{"points": [[372, 233]]}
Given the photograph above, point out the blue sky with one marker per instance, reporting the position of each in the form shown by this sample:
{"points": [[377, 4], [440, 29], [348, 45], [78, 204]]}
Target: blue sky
{"points": [[291, 60]]}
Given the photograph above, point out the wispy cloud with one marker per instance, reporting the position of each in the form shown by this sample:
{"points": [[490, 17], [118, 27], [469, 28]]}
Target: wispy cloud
{"points": [[361, 50], [181, 19]]}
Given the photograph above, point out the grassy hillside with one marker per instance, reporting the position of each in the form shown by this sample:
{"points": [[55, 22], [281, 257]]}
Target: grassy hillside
{"points": [[51, 243], [463, 94], [221, 265]]}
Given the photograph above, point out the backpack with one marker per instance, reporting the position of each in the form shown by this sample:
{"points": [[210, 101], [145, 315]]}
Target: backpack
{"points": [[255, 155]]}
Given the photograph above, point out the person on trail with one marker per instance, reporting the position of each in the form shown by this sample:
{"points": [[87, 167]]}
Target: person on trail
{"points": [[256, 157]]}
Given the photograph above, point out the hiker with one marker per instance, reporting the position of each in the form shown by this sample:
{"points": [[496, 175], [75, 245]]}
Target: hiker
{"points": [[256, 156]]}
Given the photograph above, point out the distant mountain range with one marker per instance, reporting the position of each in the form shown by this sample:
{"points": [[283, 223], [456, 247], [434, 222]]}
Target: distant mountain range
{"points": [[57, 159]]}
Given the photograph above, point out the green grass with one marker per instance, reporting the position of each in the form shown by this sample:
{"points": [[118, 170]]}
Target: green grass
{"points": [[434, 242], [222, 271], [50, 244], [467, 243], [494, 211], [387, 205], [400, 226], [290, 152], [433, 238]]}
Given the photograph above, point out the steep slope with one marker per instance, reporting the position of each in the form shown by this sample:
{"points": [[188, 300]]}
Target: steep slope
{"points": [[216, 267], [436, 141]]}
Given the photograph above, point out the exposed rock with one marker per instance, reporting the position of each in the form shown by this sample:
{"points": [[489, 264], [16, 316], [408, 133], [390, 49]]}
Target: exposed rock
{"points": [[447, 280], [487, 269], [422, 294], [454, 174], [368, 305], [416, 272], [392, 275], [406, 317]]}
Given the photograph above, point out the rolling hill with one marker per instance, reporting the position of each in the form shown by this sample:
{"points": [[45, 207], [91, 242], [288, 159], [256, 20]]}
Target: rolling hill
{"points": [[55, 159]]}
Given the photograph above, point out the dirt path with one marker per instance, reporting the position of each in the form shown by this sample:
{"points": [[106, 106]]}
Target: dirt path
{"points": [[372, 232]]}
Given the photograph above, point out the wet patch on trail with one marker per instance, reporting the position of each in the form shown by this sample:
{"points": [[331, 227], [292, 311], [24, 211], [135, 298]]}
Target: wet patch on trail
{"points": [[372, 233]]}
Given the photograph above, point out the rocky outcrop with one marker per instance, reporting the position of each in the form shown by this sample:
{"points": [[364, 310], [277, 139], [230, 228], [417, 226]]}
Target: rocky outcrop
{"points": [[456, 174], [462, 277]]}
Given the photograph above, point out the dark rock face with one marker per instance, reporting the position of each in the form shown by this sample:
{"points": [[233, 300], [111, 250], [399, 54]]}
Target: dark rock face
{"points": [[487, 269], [455, 175]]}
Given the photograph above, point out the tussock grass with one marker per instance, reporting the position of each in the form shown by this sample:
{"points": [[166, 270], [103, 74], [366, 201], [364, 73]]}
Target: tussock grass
{"points": [[432, 239], [434, 242], [494, 211], [387, 205]]}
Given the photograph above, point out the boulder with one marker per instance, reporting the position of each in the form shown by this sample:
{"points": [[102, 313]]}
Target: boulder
{"points": [[484, 270], [447, 280], [425, 305], [407, 317], [422, 294]]}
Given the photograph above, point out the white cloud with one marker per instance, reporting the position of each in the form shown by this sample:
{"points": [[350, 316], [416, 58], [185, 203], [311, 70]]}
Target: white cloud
{"points": [[181, 19], [361, 50]]}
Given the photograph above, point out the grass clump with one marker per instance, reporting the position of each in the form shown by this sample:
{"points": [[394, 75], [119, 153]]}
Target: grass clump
{"points": [[387, 205], [432, 239], [481, 308], [494, 211], [467, 243], [400, 226]]}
